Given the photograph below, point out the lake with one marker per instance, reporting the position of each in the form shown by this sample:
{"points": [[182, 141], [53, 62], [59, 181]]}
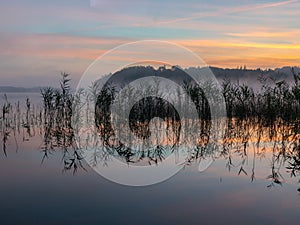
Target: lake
{"points": [[243, 186]]}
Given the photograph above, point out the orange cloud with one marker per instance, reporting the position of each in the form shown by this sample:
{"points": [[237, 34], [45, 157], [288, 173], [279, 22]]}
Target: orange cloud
{"points": [[222, 53], [231, 54], [56, 46], [261, 34]]}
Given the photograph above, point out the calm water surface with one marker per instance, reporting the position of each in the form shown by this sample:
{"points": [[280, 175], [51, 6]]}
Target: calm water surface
{"points": [[33, 191]]}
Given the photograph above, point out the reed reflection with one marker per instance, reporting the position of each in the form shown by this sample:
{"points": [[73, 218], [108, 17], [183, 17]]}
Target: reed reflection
{"points": [[259, 126]]}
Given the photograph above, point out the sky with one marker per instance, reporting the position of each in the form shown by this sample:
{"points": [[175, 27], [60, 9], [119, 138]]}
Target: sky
{"points": [[39, 39]]}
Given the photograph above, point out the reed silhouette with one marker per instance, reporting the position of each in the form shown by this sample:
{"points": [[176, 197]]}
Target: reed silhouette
{"points": [[263, 120], [57, 124]]}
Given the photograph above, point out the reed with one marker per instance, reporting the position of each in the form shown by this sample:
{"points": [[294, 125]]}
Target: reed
{"points": [[269, 116]]}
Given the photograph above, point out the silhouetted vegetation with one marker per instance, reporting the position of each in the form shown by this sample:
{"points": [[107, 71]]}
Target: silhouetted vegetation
{"points": [[57, 124], [268, 119]]}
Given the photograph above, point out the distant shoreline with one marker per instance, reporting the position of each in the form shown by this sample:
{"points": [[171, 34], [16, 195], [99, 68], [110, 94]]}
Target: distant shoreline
{"points": [[241, 74], [11, 89]]}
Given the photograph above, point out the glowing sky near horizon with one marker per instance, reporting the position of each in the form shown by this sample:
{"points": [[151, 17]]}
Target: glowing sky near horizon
{"points": [[38, 39]]}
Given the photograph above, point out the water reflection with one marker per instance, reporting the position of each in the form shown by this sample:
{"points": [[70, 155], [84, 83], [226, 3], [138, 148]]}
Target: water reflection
{"points": [[259, 126]]}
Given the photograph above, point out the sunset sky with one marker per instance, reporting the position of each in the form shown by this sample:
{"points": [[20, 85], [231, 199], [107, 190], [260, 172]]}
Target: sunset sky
{"points": [[38, 39]]}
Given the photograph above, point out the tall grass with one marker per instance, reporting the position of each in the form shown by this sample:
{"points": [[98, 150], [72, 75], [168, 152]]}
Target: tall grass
{"points": [[57, 124], [269, 116]]}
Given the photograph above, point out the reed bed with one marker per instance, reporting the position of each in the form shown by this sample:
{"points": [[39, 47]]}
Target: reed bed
{"points": [[266, 119]]}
